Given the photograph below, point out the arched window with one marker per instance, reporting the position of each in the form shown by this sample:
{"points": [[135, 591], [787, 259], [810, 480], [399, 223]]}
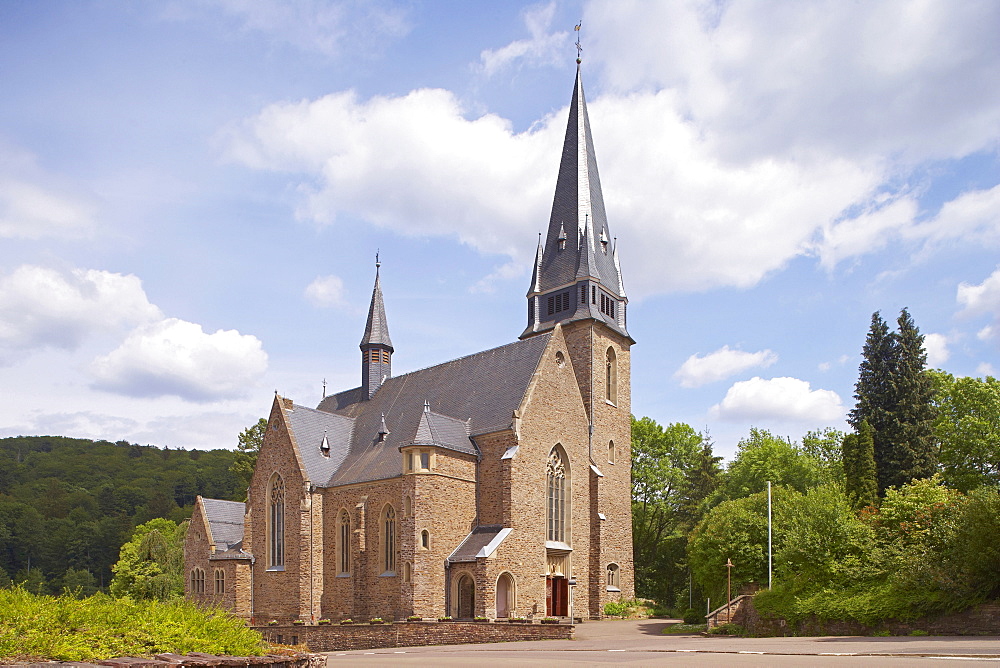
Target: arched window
{"points": [[613, 575], [425, 539], [407, 507], [389, 540], [556, 494], [611, 384], [407, 572], [276, 523], [220, 581], [611, 452], [344, 543]]}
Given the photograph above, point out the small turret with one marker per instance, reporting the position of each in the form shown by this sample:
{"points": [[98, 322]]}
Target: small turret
{"points": [[376, 346]]}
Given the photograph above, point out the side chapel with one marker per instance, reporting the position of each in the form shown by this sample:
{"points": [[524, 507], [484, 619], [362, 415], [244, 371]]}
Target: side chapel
{"points": [[494, 485]]}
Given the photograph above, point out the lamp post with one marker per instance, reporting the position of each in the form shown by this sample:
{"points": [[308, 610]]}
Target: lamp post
{"points": [[729, 588], [572, 590]]}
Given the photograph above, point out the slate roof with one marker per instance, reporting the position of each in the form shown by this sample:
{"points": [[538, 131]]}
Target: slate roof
{"points": [[225, 520], [309, 427], [579, 224], [377, 328], [444, 432], [475, 542], [480, 392]]}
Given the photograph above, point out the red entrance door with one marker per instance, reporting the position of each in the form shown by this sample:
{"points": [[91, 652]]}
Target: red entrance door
{"points": [[556, 596]]}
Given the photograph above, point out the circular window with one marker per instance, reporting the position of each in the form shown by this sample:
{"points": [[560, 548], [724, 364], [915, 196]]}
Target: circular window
{"points": [[560, 359]]}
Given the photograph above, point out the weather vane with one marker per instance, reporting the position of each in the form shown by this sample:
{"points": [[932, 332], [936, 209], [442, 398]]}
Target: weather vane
{"points": [[579, 47]]}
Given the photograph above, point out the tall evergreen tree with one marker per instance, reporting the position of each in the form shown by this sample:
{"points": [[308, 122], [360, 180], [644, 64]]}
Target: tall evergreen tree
{"points": [[859, 467], [875, 393], [895, 396]]}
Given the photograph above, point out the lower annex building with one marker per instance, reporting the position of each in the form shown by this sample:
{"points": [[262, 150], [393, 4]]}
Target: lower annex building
{"points": [[494, 485]]}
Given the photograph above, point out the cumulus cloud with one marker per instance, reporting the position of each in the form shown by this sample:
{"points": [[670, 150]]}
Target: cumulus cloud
{"points": [[936, 346], [986, 369], [326, 291], [541, 48], [982, 299], [175, 357], [41, 307], [34, 204], [784, 399], [699, 370], [736, 174]]}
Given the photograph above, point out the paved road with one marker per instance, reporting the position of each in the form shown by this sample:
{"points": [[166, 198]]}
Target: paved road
{"points": [[641, 643]]}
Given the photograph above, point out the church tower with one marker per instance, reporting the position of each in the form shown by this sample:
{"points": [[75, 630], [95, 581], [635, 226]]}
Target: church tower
{"points": [[376, 346]]}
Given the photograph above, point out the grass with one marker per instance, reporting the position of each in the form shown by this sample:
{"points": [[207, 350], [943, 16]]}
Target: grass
{"points": [[684, 629], [64, 628]]}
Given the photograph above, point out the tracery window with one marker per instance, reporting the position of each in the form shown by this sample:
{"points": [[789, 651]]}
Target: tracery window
{"points": [[344, 543], [613, 572], [220, 581], [556, 488], [611, 381], [389, 540], [276, 523]]}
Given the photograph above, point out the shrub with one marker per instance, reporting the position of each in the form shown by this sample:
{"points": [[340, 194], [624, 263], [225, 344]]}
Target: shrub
{"points": [[692, 616], [615, 609]]}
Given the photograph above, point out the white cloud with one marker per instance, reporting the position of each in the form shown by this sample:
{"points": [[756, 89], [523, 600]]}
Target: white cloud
{"points": [[982, 299], [326, 291], [725, 362], [34, 204], [986, 369], [736, 173], [542, 48], [175, 357], [784, 399], [42, 307], [936, 346], [505, 272]]}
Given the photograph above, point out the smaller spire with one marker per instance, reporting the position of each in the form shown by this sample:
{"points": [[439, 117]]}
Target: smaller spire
{"points": [[383, 430], [537, 271], [562, 236], [324, 446]]}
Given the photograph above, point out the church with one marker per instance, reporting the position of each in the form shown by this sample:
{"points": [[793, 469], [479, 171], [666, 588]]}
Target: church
{"points": [[495, 485]]}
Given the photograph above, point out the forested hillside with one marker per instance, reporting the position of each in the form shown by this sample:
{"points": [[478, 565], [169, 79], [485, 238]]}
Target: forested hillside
{"points": [[67, 505]]}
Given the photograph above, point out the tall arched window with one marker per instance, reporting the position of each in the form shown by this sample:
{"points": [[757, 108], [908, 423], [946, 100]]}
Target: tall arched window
{"points": [[389, 540], [197, 581], [220, 581], [276, 523], [611, 382], [611, 452], [556, 493], [344, 543]]}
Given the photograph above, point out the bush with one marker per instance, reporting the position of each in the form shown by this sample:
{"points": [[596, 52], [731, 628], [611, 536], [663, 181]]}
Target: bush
{"points": [[692, 616], [615, 609], [64, 628]]}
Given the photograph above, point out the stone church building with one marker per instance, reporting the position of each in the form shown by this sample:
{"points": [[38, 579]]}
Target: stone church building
{"points": [[494, 485]]}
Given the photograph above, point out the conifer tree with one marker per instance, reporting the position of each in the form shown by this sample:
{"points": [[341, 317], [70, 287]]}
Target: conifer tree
{"points": [[914, 451], [894, 395], [859, 467], [875, 394]]}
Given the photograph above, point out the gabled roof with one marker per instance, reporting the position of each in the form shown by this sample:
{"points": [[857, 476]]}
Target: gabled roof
{"points": [[225, 521], [481, 542], [377, 328], [472, 395]]}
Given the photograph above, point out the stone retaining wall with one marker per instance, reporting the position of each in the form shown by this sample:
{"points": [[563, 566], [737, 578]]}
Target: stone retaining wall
{"points": [[335, 637], [979, 620]]}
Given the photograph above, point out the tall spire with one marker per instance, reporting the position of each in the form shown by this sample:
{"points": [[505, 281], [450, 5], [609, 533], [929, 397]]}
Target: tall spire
{"points": [[376, 346], [581, 282]]}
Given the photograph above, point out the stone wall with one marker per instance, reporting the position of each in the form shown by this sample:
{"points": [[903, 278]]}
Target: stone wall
{"points": [[411, 634], [979, 620]]}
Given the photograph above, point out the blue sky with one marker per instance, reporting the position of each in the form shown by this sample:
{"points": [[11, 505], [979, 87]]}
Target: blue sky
{"points": [[192, 194]]}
